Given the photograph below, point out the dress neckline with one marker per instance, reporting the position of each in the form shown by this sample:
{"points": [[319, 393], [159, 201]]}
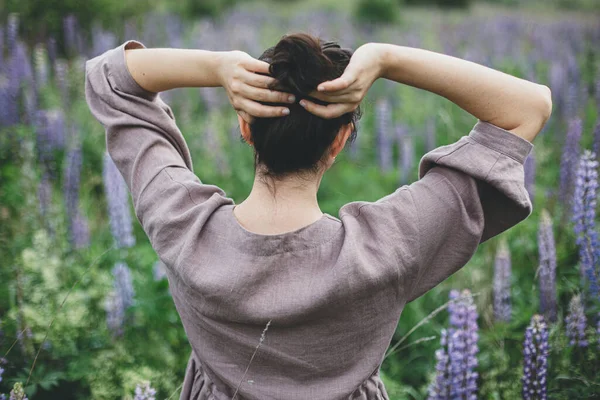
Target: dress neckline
{"points": [[312, 235]]}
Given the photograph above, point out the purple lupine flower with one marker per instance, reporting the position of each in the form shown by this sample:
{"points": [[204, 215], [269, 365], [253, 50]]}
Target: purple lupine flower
{"points": [[502, 275], [123, 284], [41, 66], [530, 175], [407, 158], [50, 136], [118, 204], [52, 50], [569, 159], [12, 31], [144, 391], [119, 299], [584, 216], [80, 232], [439, 389], [547, 269], [460, 379], [61, 70], [1, 47], [535, 359], [383, 127], [17, 393], [71, 31], [576, 323], [102, 41], [430, 135], [71, 180]]}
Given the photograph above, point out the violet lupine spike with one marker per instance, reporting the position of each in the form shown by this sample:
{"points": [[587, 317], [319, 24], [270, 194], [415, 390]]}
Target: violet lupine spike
{"points": [[71, 180], [535, 360], [430, 135], [584, 217], [459, 378], [144, 391], [40, 58], [123, 284], [576, 323], [440, 387], [530, 175], [61, 70], [70, 31], [50, 136], [44, 194], [115, 313], [407, 158], [117, 198], [502, 275], [12, 31], [383, 126], [547, 268], [80, 232], [569, 160]]}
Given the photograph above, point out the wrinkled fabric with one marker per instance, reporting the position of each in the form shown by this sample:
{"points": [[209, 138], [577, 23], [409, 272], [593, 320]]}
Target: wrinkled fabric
{"points": [[331, 292]]}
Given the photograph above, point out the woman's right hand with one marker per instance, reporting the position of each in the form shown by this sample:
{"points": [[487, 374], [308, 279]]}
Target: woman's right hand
{"points": [[346, 92]]}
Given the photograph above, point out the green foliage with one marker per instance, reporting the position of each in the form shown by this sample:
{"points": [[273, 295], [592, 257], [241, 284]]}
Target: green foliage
{"points": [[441, 3], [377, 10]]}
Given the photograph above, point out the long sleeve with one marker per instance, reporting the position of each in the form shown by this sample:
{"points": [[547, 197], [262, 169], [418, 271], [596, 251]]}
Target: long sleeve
{"points": [[150, 152], [467, 192]]}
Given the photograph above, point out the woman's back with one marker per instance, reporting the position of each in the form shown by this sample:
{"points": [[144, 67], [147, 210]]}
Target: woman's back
{"points": [[307, 313]]}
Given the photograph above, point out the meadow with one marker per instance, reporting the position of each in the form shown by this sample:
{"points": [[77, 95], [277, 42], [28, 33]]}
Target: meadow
{"points": [[83, 296]]}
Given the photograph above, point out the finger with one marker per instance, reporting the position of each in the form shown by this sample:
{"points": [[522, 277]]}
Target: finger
{"points": [[245, 116], [341, 83], [348, 97], [328, 111], [266, 95], [258, 110], [257, 80], [252, 64]]}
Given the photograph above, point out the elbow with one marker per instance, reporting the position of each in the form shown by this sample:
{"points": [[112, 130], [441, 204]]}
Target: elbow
{"points": [[546, 103]]}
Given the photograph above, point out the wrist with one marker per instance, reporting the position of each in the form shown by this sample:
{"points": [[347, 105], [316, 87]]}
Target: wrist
{"points": [[385, 52]]}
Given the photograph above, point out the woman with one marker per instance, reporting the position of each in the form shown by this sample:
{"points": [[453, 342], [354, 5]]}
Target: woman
{"points": [[280, 300]]}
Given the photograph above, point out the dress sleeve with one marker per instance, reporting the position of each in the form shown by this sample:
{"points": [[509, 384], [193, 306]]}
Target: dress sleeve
{"points": [[149, 150], [467, 193]]}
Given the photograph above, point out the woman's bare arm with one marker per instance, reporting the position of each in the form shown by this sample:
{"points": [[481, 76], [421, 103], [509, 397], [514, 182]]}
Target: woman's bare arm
{"points": [[511, 103]]}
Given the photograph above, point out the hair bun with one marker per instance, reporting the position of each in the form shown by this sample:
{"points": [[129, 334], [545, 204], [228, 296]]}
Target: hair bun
{"points": [[300, 62]]}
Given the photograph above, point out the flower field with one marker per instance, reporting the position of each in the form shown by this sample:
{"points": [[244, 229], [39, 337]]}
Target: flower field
{"points": [[85, 308]]}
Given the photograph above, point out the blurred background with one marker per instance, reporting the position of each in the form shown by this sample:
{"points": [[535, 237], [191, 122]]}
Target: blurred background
{"points": [[85, 309]]}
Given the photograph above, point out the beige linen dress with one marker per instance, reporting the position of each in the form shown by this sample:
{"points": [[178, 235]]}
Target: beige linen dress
{"points": [[334, 290]]}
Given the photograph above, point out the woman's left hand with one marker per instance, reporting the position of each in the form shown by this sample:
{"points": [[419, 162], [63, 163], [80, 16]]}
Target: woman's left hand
{"points": [[239, 74]]}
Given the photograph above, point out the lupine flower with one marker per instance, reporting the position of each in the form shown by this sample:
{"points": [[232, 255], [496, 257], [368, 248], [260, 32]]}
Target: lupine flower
{"points": [[80, 232], [535, 359], [530, 175], [12, 31], [502, 274], [569, 159], [123, 284], [71, 33], [50, 136], [51, 50], [144, 391], [407, 158], [41, 65], [584, 216], [430, 135], [458, 380], [576, 323], [383, 126], [17, 393], [71, 180], [119, 299], [118, 204], [2, 396], [61, 70], [547, 269]]}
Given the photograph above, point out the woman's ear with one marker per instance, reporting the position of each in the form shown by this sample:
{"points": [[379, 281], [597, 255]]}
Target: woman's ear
{"points": [[245, 128], [340, 140]]}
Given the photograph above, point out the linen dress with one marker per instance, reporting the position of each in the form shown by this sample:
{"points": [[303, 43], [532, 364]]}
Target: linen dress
{"points": [[331, 292]]}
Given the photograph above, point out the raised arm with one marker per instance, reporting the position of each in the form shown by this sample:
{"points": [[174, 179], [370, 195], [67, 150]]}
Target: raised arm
{"points": [[516, 105]]}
